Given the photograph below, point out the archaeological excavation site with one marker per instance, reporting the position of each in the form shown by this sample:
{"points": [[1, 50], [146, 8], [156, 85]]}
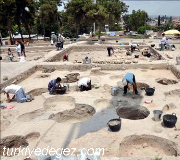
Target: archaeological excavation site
{"points": [[144, 126]]}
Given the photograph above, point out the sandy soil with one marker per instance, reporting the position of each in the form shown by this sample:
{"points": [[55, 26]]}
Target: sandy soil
{"points": [[77, 134], [56, 121]]}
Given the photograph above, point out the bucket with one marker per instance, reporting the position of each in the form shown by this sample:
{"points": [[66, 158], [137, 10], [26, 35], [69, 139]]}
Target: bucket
{"points": [[114, 124], [67, 86], [157, 115], [114, 91]]}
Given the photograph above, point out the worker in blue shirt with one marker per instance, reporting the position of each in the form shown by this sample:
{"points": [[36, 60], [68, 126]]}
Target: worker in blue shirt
{"points": [[54, 85], [129, 78]]}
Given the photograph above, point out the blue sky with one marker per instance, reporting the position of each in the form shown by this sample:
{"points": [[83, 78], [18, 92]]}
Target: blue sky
{"points": [[171, 8], [162, 7]]}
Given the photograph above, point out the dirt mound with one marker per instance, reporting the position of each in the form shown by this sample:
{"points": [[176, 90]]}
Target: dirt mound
{"points": [[165, 81], [146, 145], [48, 70], [4, 124], [38, 91], [12, 142], [142, 85], [173, 93], [132, 112], [42, 76], [71, 78], [79, 113]]}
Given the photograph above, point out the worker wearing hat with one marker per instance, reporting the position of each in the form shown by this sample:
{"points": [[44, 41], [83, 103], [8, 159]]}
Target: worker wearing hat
{"points": [[129, 78]]}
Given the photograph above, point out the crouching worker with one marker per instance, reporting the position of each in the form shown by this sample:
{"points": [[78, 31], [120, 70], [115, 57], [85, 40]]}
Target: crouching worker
{"points": [[129, 78], [84, 84], [65, 57], [18, 92], [54, 86]]}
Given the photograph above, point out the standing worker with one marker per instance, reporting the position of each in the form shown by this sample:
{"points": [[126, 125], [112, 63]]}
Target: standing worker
{"points": [[61, 39], [129, 78], [18, 49], [109, 50], [163, 41], [10, 54]]}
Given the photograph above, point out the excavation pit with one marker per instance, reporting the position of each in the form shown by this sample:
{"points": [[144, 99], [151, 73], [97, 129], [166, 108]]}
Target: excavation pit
{"points": [[146, 146], [12, 142], [173, 93], [31, 116], [165, 81], [133, 112], [38, 91], [81, 112], [58, 104], [32, 136]]}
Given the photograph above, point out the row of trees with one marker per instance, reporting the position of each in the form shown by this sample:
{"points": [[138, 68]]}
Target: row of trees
{"points": [[43, 17], [28, 16]]}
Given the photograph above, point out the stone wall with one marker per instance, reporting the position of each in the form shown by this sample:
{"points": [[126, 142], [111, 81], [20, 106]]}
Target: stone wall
{"points": [[159, 56], [175, 71], [20, 77], [82, 67]]}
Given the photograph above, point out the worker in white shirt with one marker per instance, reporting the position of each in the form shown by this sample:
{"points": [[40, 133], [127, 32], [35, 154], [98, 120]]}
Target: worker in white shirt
{"points": [[17, 91], [18, 49], [163, 41], [84, 84], [134, 47]]}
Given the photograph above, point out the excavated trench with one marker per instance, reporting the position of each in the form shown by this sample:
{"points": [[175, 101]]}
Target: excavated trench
{"points": [[12, 143], [146, 146], [38, 91], [81, 112], [60, 109]]}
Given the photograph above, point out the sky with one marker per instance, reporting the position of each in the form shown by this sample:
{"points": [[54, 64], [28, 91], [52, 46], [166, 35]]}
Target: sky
{"points": [[158, 7], [169, 8]]}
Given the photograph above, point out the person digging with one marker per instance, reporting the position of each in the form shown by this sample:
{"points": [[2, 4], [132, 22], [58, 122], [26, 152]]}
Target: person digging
{"points": [[129, 78], [54, 86], [84, 84]]}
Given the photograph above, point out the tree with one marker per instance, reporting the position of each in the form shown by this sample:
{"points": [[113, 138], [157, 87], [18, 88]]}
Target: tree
{"points": [[159, 20], [48, 15], [135, 20], [77, 13], [17, 12], [142, 29]]}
